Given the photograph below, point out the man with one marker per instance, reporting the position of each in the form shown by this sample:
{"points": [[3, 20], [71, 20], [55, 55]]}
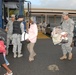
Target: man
{"points": [[18, 29], [8, 29], [67, 26], [44, 27]]}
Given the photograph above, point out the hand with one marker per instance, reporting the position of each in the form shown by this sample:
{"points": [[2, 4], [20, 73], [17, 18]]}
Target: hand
{"points": [[64, 34], [27, 40], [6, 29]]}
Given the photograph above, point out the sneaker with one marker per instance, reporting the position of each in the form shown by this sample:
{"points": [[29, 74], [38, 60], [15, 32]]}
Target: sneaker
{"points": [[8, 64], [15, 56], [9, 73], [63, 57], [20, 55], [70, 56]]}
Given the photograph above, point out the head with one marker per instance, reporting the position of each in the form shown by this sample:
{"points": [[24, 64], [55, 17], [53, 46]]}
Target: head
{"points": [[43, 21], [13, 17], [65, 15], [32, 20], [2, 39], [20, 17]]}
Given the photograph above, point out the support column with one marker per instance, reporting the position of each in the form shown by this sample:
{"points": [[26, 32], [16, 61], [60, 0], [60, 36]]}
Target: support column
{"points": [[8, 13], [21, 7], [1, 13], [46, 18], [41, 18], [55, 19]]}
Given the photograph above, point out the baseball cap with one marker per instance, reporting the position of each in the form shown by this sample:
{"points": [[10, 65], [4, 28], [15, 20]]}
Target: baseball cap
{"points": [[13, 16], [65, 13]]}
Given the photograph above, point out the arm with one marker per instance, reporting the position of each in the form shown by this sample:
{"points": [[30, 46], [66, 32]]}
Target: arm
{"points": [[7, 27], [71, 28], [22, 27], [33, 31]]}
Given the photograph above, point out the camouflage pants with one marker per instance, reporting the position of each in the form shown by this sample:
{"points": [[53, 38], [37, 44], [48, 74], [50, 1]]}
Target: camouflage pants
{"points": [[8, 40], [66, 48], [16, 41]]}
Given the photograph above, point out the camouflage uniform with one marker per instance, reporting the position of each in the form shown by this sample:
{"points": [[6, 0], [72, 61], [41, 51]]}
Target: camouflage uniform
{"points": [[68, 26], [9, 32], [16, 41]]}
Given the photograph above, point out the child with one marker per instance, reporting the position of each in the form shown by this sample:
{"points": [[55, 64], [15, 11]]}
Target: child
{"points": [[2, 60], [4, 53]]}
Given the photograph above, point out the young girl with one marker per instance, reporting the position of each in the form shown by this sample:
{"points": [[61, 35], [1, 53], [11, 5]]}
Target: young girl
{"points": [[2, 60]]}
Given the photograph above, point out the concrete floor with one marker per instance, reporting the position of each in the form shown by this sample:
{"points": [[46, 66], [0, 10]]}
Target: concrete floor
{"points": [[47, 54]]}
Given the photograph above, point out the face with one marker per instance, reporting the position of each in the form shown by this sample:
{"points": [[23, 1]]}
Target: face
{"points": [[65, 17], [12, 18]]}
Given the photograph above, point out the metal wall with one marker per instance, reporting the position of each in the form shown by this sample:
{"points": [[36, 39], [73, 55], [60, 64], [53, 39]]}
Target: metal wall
{"points": [[1, 13]]}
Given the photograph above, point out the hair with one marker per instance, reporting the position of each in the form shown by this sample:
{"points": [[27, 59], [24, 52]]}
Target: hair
{"points": [[33, 19], [2, 39]]}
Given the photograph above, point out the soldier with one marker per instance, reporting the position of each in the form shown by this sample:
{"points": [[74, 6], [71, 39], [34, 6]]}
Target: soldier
{"points": [[44, 25], [18, 29], [67, 26], [8, 30]]}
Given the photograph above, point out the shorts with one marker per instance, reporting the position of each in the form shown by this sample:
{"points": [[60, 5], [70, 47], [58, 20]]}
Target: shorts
{"points": [[2, 61]]}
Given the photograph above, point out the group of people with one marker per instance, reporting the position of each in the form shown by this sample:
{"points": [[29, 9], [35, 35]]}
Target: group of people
{"points": [[14, 30]]}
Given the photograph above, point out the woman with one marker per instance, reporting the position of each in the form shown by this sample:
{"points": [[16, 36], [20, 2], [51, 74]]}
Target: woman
{"points": [[33, 32]]}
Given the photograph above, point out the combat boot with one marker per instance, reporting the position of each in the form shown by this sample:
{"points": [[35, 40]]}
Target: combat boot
{"points": [[70, 56], [15, 55], [20, 55], [63, 57]]}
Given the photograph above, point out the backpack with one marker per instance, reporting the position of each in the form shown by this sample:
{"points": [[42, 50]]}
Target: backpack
{"points": [[2, 46], [16, 27]]}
